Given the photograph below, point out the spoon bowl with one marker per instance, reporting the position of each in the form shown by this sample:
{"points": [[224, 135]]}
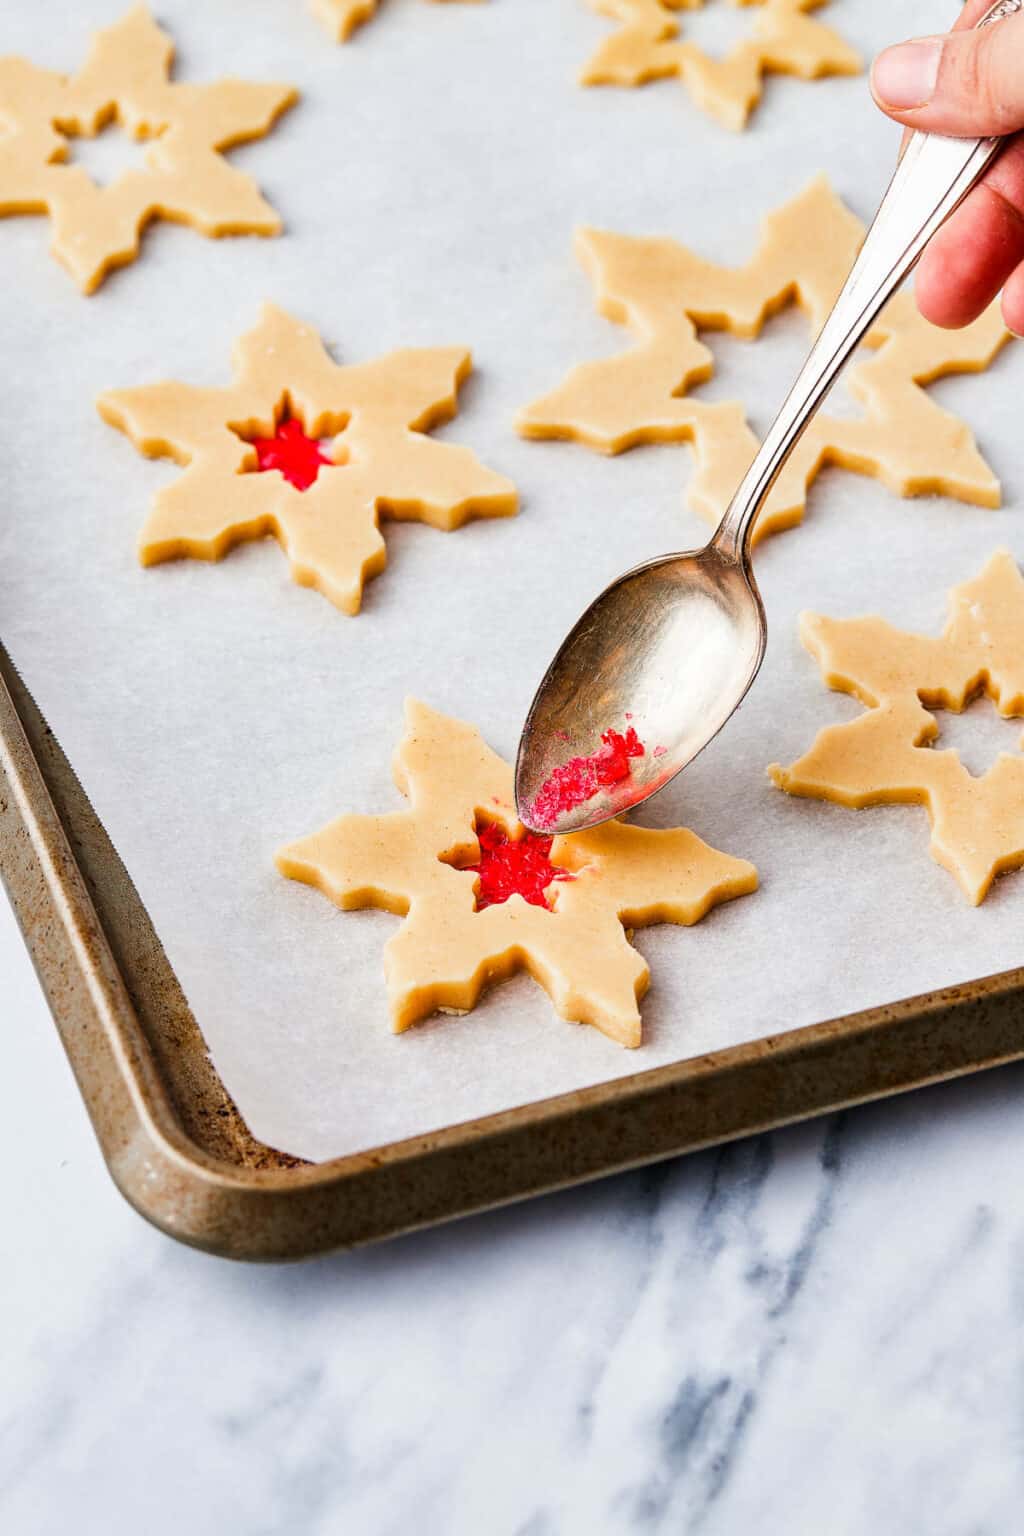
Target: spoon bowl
{"points": [[698, 624]]}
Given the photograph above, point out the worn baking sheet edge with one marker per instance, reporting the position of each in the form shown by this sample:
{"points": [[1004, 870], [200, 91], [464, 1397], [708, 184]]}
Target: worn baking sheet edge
{"points": [[178, 1150]]}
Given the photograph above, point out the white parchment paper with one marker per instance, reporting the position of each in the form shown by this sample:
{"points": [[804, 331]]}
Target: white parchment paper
{"points": [[430, 181]]}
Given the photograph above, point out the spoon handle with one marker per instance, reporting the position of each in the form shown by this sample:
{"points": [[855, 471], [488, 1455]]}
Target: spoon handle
{"points": [[933, 176]]}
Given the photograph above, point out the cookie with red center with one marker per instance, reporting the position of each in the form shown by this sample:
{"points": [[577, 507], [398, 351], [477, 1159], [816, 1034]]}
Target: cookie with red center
{"points": [[324, 511], [481, 899]]}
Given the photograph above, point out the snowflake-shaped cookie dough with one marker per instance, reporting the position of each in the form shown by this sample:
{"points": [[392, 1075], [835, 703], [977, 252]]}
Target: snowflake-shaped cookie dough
{"points": [[664, 294], [309, 452], [125, 80], [886, 755], [342, 17], [431, 864], [783, 40]]}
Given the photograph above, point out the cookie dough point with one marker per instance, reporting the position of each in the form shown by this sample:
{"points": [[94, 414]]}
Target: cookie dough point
{"points": [[343, 17]]}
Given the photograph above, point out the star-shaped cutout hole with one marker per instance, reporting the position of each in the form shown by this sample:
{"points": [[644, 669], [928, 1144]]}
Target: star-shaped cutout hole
{"points": [[509, 866], [291, 452], [978, 733], [109, 154]]}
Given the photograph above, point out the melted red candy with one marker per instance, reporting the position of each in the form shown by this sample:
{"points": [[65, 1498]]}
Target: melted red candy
{"points": [[298, 457], [514, 866], [581, 777]]}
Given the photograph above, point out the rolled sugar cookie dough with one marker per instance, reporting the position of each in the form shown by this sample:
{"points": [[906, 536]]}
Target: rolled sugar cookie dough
{"points": [[665, 294], [886, 755], [126, 80], [783, 39]]}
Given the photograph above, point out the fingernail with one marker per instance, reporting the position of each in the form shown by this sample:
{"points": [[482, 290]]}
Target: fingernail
{"points": [[905, 76]]}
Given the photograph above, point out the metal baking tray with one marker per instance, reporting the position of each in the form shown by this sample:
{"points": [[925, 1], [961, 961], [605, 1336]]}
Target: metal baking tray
{"points": [[179, 1151], [175, 1143]]}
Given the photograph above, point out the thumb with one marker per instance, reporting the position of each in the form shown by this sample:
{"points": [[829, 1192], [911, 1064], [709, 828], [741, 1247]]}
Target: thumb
{"points": [[968, 83]]}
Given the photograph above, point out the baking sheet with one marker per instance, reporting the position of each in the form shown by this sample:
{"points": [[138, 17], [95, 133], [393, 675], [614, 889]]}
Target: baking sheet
{"points": [[430, 180]]}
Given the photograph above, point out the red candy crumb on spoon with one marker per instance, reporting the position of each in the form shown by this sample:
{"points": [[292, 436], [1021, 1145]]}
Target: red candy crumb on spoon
{"points": [[576, 781]]}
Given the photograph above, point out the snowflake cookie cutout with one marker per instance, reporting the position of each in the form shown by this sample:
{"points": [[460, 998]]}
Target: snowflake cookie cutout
{"points": [[468, 923], [342, 17], [665, 294], [125, 80], [783, 39], [309, 452], [885, 756]]}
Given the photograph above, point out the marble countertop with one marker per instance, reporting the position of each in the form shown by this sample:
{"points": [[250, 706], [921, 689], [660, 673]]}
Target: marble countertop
{"points": [[817, 1331]]}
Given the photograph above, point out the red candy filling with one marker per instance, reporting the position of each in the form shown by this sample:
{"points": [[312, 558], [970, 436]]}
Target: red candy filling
{"points": [[581, 777], [514, 866], [298, 457]]}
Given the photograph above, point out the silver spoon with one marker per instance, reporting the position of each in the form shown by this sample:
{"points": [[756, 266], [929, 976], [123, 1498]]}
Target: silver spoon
{"points": [[672, 647]]}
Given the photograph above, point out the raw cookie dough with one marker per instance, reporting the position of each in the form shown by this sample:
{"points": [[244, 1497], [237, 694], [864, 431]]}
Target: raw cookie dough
{"points": [[125, 80], [885, 755], [414, 863], [342, 17], [664, 294], [379, 462], [783, 40]]}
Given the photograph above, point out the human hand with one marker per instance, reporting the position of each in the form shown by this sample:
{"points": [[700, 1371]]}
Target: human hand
{"points": [[968, 83]]}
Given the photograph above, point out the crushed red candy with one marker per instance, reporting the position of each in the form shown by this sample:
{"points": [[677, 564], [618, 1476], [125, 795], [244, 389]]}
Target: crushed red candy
{"points": [[514, 866], [298, 457], [580, 778]]}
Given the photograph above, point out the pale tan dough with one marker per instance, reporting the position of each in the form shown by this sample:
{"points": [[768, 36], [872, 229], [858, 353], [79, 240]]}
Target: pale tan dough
{"points": [[783, 40], [665, 294], [342, 17], [885, 755], [125, 79], [446, 952], [378, 413]]}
